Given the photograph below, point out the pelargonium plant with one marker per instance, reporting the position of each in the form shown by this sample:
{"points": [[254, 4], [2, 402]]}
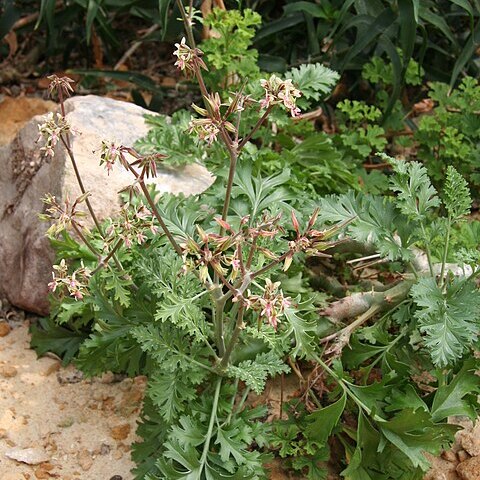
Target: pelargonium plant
{"points": [[215, 291]]}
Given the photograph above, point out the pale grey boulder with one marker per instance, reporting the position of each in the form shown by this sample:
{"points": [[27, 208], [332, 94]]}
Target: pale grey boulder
{"points": [[26, 177]]}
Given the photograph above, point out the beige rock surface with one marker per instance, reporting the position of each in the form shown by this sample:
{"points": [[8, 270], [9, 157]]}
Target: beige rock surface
{"points": [[470, 469], [70, 423], [15, 112], [26, 177]]}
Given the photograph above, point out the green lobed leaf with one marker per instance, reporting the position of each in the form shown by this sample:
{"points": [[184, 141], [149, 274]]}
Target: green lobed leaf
{"points": [[255, 372], [416, 196], [447, 317], [323, 421], [457, 195], [459, 396]]}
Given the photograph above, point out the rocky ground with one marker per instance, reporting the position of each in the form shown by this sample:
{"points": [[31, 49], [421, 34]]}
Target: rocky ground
{"points": [[56, 424]]}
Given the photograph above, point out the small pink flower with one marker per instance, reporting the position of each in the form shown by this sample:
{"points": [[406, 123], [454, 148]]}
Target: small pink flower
{"points": [[141, 238], [267, 311], [286, 302], [52, 286], [78, 295], [295, 112]]}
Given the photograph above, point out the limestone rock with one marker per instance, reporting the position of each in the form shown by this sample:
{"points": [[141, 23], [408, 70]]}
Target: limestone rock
{"points": [[470, 469], [25, 177], [30, 456], [470, 440]]}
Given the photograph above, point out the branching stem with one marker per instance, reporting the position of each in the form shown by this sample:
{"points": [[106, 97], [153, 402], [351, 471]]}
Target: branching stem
{"points": [[234, 337], [155, 211]]}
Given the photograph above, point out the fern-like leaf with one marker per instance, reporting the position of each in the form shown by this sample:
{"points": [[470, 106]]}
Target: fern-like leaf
{"points": [[313, 80], [449, 319], [375, 222], [416, 195], [254, 373], [457, 195]]}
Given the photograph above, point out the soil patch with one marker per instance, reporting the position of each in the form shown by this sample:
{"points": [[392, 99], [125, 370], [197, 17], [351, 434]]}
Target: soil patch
{"points": [[80, 428]]}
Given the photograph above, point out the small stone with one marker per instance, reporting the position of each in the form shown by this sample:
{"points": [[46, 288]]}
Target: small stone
{"points": [[66, 422], [30, 456], [85, 460], [50, 366], [462, 455], [41, 473], [449, 456], [69, 375], [3, 433], [4, 329], [105, 449], [107, 377], [117, 477], [469, 469], [120, 432], [7, 371], [118, 454], [470, 441]]}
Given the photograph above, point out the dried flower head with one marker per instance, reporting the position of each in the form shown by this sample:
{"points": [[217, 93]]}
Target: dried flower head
{"points": [[61, 85]]}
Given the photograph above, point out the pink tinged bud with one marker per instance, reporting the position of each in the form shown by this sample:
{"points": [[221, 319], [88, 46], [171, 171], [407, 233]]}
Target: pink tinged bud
{"points": [[180, 63], [127, 241], [49, 151], [235, 264], [295, 223], [52, 286], [288, 262], [273, 321], [225, 225]]}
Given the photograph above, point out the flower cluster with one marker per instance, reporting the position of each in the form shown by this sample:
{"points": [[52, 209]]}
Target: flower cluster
{"points": [[51, 132], [209, 127], [62, 216], [109, 154], [271, 305], [205, 128], [224, 252], [75, 284], [189, 59], [278, 91], [131, 226], [312, 241]]}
